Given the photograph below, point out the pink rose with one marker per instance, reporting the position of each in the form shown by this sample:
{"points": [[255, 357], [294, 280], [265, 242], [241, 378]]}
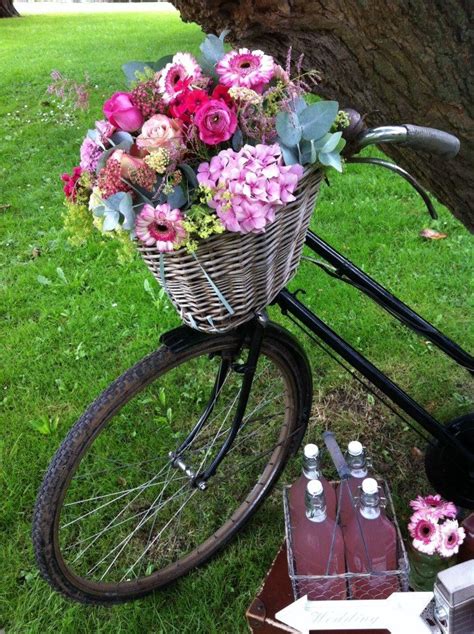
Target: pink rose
{"points": [[160, 132], [121, 112], [216, 122]]}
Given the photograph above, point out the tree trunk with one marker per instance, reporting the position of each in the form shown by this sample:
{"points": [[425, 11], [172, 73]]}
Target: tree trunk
{"points": [[400, 61], [7, 10]]}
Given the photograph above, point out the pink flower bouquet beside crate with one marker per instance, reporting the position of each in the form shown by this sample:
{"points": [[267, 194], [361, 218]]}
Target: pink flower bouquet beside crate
{"points": [[201, 148]]}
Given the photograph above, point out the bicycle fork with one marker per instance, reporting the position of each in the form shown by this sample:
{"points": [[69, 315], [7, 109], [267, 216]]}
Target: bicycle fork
{"points": [[199, 480]]}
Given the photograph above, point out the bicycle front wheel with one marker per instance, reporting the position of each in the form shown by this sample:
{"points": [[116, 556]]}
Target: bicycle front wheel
{"points": [[115, 519]]}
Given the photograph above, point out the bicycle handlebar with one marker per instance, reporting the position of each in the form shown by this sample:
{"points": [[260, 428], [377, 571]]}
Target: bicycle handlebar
{"points": [[416, 137]]}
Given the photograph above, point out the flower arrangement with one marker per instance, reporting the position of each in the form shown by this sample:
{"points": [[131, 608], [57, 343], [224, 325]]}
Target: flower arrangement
{"points": [[197, 148], [433, 526]]}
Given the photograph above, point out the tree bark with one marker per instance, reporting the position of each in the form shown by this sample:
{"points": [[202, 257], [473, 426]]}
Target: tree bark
{"points": [[7, 10], [399, 61]]}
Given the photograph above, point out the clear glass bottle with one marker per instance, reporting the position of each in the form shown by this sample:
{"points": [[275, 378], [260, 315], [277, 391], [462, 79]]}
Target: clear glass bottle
{"points": [[348, 490], [370, 541], [318, 547], [311, 471]]}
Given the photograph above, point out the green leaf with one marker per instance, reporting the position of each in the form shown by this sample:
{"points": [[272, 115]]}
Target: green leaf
{"points": [[41, 425], [288, 128], [44, 280], [316, 120], [162, 396], [61, 275]]}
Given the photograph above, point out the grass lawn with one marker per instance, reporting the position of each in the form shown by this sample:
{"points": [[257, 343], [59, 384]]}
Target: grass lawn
{"points": [[72, 320]]}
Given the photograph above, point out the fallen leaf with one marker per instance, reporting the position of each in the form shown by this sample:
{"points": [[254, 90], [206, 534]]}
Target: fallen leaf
{"points": [[36, 252], [416, 453], [6, 206], [431, 234]]}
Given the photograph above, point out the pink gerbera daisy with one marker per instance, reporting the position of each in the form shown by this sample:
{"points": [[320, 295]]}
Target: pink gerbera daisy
{"points": [[174, 75], [160, 226], [436, 504], [245, 68], [424, 529], [451, 537]]}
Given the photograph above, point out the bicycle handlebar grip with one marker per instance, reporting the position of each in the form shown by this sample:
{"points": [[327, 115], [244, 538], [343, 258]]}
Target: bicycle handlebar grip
{"points": [[431, 140]]}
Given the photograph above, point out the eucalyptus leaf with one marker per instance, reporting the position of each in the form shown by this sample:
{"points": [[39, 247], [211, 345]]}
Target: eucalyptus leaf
{"points": [[122, 138], [290, 154], [111, 220], [94, 135], [332, 142], [126, 209], [177, 198], [161, 63], [130, 69], [316, 120], [237, 140], [331, 159], [105, 155], [213, 49], [189, 174], [288, 128], [112, 203], [298, 104], [99, 210], [308, 153]]}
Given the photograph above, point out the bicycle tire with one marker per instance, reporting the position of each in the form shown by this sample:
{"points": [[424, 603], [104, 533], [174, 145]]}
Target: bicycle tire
{"points": [[278, 346]]}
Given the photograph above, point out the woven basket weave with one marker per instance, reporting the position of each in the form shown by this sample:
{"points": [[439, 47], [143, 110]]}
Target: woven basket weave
{"points": [[232, 275]]}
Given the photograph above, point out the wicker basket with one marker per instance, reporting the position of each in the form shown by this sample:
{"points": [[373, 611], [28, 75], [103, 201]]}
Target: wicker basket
{"points": [[232, 275]]}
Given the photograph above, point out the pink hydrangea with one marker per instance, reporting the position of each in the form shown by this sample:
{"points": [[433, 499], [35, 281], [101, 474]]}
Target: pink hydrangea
{"points": [[90, 154], [160, 226], [249, 69], [173, 77], [249, 186]]}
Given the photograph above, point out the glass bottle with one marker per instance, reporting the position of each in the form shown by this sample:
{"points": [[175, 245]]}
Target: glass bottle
{"points": [[318, 547], [311, 471], [348, 490], [370, 541]]}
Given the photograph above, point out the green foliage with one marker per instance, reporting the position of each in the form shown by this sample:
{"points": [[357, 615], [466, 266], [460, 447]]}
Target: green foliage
{"points": [[78, 223], [62, 344]]}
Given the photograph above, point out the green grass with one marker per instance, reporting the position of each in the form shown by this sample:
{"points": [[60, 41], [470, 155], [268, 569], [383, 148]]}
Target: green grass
{"points": [[72, 320]]}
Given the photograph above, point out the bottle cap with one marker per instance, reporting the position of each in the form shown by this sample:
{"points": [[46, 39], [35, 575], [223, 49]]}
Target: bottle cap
{"points": [[311, 451], [355, 448], [314, 487], [370, 486]]}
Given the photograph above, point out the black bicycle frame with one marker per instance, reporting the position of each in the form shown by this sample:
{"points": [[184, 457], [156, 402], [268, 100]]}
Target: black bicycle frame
{"points": [[346, 271]]}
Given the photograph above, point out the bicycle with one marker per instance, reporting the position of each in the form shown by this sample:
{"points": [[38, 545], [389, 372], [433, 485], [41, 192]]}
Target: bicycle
{"points": [[108, 529]]}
